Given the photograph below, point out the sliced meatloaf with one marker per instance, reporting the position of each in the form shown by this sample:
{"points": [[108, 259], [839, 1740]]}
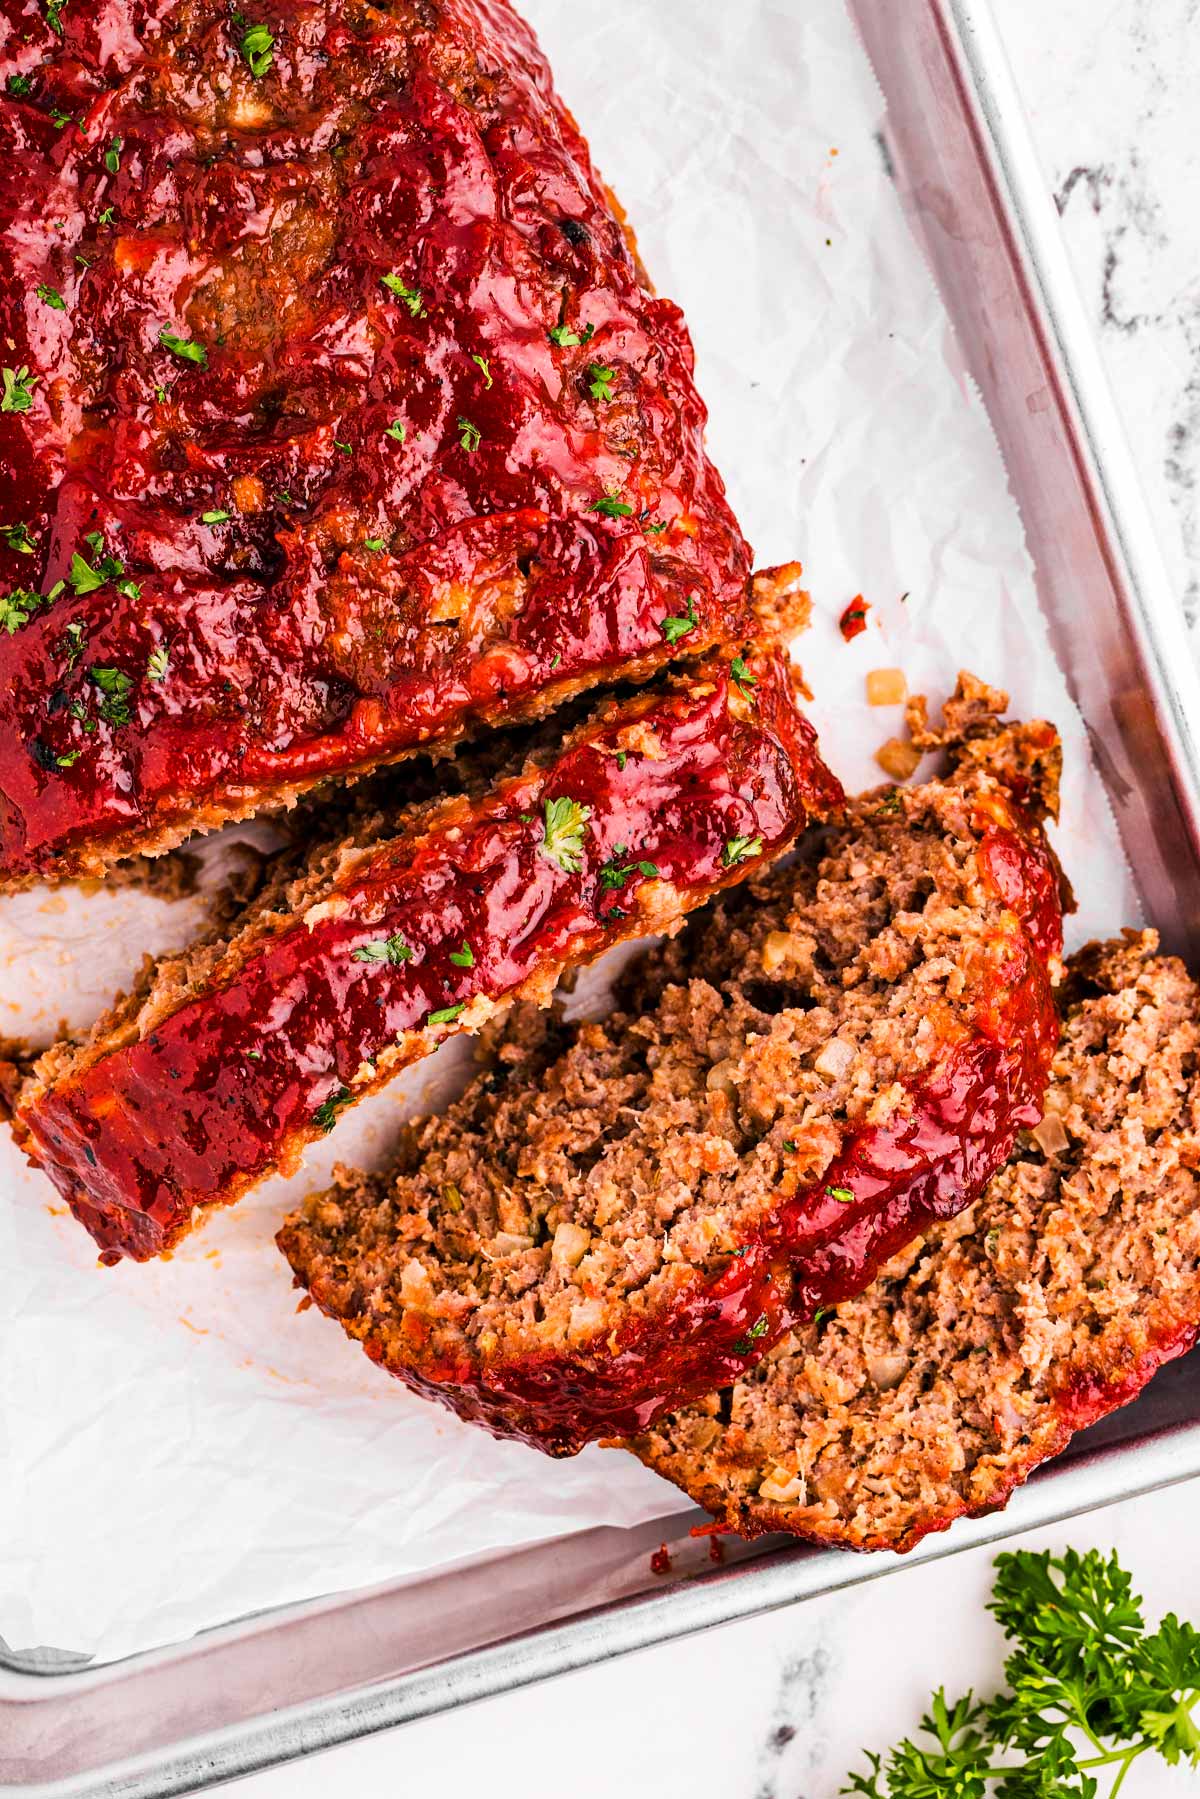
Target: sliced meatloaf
{"points": [[337, 417], [981, 1349], [227, 1061], [623, 1212]]}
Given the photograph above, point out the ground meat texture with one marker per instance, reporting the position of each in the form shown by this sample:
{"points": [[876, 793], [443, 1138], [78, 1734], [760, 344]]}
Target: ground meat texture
{"points": [[231, 1059], [337, 419], [638, 1208], [983, 1348]]}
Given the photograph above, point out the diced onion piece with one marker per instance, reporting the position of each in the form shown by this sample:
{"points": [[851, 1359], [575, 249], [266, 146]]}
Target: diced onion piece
{"points": [[835, 1058], [886, 687], [887, 1371], [783, 1488], [1050, 1136], [587, 1318], [719, 1078], [416, 1288], [510, 1243], [898, 759], [777, 948], [570, 1245]]}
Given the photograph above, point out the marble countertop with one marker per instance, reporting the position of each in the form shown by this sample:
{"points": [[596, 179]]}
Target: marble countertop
{"points": [[780, 1707]]}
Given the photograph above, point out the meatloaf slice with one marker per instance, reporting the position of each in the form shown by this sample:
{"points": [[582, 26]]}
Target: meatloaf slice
{"points": [[227, 1061], [981, 1349], [624, 1212], [337, 418]]}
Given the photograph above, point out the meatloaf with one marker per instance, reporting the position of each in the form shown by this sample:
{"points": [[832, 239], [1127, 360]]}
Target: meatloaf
{"points": [[622, 1212], [336, 417], [227, 1061], [981, 1349]]}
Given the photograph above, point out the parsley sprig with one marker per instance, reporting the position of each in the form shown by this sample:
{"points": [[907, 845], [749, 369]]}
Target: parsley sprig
{"points": [[1089, 1692], [565, 821]]}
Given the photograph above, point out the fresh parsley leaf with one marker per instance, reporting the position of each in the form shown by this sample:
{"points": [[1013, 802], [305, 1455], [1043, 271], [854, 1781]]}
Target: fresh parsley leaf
{"points": [[158, 667], [617, 872], [675, 628], [464, 957], [843, 1195], [612, 507], [447, 1014], [216, 517], [386, 949], [83, 577], [653, 527], [375, 544], [565, 338], [325, 1116], [114, 684], [742, 679], [19, 537], [184, 347], [75, 641], [483, 363], [108, 216], [600, 386], [54, 14], [258, 50], [68, 759], [17, 608], [469, 436], [18, 386], [410, 296], [397, 430], [562, 833], [758, 1329], [741, 849], [112, 156], [50, 296], [19, 86]]}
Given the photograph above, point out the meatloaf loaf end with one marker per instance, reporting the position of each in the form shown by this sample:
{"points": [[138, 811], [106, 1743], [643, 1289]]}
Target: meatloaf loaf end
{"points": [[337, 419], [229, 1060], [622, 1212], [981, 1350]]}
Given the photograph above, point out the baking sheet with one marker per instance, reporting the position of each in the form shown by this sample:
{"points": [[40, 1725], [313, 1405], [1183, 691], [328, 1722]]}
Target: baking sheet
{"points": [[179, 1447]]}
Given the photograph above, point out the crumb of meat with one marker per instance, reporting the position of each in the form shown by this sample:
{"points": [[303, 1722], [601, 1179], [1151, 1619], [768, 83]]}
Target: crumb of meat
{"points": [[967, 1362], [588, 1173]]}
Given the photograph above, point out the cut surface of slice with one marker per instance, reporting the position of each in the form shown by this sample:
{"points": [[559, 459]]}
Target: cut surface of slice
{"points": [[228, 1060], [984, 1347], [624, 1210], [337, 418]]}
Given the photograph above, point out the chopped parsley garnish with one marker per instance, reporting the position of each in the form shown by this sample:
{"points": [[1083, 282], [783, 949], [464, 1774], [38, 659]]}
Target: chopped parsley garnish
{"points": [[86, 579], [108, 216], [83, 577], [17, 608], [374, 544], [743, 680], [469, 436], [821, 1313], [447, 1014], [758, 1329], [18, 537], [675, 628], [19, 86], [741, 849], [80, 712], [346, 449], [789, 1145], [562, 833], [843, 1195], [216, 517], [325, 1116], [54, 14], [67, 760], [385, 949], [565, 338], [75, 641], [114, 684], [622, 758], [653, 527], [59, 119], [184, 347], [397, 430], [464, 957], [612, 507], [18, 386], [602, 379], [410, 296], [258, 50], [159, 664], [50, 296], [112, 156], [616, 872], [482, 363]]}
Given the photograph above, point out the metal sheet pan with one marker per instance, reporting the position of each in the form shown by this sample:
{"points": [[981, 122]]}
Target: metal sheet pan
{"points": [[260, 1691]]}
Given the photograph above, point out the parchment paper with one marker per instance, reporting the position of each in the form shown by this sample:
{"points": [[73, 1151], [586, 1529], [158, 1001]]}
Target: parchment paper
{"points": [[179, 1447]]}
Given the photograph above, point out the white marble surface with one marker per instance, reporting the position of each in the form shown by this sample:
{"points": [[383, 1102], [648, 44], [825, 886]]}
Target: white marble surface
{"points": [[779, 1708]]}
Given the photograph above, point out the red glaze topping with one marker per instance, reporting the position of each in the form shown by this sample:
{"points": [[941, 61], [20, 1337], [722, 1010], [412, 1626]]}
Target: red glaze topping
{"points": [[827, 1242], [335, 416], [630, 827]]}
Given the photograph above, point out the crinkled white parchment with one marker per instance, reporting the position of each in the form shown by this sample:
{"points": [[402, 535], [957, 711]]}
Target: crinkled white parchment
{"points": [[179, 1447]]}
